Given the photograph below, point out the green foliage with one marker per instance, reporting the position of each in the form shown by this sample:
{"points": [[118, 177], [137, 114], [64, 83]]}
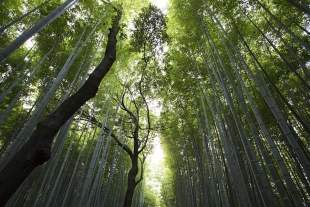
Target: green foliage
{"points": [[214, 46], [149, 31], [149, 198]]}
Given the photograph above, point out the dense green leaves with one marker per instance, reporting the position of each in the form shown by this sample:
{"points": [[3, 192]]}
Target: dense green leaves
{"points": [[149, 31]]}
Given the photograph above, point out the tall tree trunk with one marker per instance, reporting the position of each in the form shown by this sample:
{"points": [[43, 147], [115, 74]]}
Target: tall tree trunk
{"points": [[37, 149], [131, 181]]}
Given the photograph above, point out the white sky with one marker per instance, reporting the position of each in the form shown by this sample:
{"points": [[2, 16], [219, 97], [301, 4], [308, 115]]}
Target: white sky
{"points": [[157, 155], [160, 3]]}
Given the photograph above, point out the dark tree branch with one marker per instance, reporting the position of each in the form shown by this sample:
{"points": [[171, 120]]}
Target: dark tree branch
{"points": [[147, 110], [135, 118], [142, 170], [94, 121], [122, 145]]}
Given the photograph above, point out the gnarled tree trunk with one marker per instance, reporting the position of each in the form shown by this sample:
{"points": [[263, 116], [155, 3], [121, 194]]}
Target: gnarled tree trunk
{"points": [[131, 181], [37, 149]]}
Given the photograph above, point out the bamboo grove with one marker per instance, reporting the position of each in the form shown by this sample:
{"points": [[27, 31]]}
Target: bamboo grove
{"points": [[240, 88], [231, 82]]}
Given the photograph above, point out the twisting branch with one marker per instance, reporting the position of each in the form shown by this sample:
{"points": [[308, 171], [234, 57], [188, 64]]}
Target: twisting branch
{"points": [[134, 102], [142, 169], [122, 145], [124, 107], [93, 120], [148, 117]]}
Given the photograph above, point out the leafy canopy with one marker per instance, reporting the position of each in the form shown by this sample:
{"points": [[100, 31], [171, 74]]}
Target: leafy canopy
{"points": [[149, 31]]}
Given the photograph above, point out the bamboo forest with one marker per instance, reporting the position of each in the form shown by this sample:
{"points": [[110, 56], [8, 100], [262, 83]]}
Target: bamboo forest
{"points": [[154, 103]]}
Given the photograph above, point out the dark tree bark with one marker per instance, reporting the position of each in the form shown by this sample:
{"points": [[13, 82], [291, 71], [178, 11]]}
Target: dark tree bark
{"points": [[134, 154], [132, 174], [131, 179], [138, 147], [37, 149]]}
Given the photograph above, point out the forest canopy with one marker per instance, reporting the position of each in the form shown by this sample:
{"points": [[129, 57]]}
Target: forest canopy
{"points": [[88, 89]]}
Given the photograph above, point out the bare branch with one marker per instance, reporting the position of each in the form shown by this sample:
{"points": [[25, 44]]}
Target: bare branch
{"points": [[93, 120], [124, 107], [122, 145], [142, 169], [148, 128]]}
